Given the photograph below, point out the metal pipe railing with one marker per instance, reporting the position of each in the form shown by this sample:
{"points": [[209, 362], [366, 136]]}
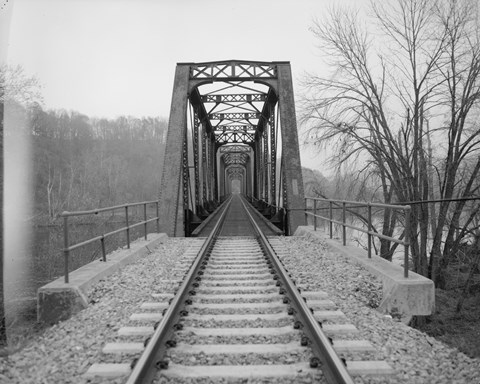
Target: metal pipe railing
{"points": [[68, 247], [342, 204]]}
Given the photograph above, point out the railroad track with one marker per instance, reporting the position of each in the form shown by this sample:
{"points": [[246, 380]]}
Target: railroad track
{"points": [[238, 316]]}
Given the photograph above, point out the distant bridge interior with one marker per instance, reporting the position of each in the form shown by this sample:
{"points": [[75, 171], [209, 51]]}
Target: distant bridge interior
{"points": [[232, 129]]}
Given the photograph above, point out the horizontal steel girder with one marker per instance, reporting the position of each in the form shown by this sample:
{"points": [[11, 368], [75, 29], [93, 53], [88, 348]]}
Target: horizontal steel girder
{"points": [[236, 128], [234, 116], [235, 149], [234, 137], [234, 98], [233, 70], [235, 158]]}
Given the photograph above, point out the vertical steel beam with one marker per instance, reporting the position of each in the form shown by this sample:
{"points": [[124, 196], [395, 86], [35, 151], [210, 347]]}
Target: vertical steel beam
{"points": [[185, 171], [196, 135], [170, 196], [273, 158], [205, 172], [292, 167], [265, 165]]}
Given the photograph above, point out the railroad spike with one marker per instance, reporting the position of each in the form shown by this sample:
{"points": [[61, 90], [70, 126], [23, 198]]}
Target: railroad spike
{"points": [[147, 340], [183, 313], [278, 283], [133, 363], [157, 323], [286, 300], [178, 327], [161, 364], [330, 340], [188, 302], [282, 291], [290, 311], [171, 343], [344, 361], [196, 285], [298, 325], [192, 292], [315, 362], [304, 341]]}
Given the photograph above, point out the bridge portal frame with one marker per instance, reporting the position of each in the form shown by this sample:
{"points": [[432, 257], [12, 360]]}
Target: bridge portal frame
{"points": [[188, 77]]}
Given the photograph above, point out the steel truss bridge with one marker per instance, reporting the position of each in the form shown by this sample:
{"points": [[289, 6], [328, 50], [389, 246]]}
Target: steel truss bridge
{"points": [[232, 128]]}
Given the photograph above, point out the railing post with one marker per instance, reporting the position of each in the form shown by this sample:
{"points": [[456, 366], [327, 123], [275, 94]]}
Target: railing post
{"points": [[314, 214], [128, 226], [145, 219], [306, 210], [66, 251], [406, 241], [369, 231], [344, 219], [104, 254], [331, 218], [158, 218]]}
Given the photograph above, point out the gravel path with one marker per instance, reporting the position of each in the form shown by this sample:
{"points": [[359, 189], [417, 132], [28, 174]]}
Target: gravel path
{"points": [[62, 353], [415, 356]]}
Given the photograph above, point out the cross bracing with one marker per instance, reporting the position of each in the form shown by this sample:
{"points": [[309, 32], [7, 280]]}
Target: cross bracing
{"points": [[235, 158], [232, 98], [234, 137], [235, 128], [234, 116], [233, 69], [235, 149]]}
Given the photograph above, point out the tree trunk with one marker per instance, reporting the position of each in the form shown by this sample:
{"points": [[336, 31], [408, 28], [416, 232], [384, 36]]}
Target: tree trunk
{"points": [[473, 267]]}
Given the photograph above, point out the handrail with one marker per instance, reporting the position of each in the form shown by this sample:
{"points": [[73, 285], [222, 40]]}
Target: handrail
{"points": [[68, 247], [342, 204]]}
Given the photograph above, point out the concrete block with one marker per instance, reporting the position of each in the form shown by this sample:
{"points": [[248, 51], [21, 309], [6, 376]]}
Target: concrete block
{"points": [[353, 346], [123, 348], [412, 296], [108, 370], [375, 367], [246, 372], [340, 329], [135, 331], [58, 301]]}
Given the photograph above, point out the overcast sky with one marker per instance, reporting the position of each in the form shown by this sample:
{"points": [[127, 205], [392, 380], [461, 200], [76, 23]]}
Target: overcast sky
{"points": [[107, 58], [117, 57]]}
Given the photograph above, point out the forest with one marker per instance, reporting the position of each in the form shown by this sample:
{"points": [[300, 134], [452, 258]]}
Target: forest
{"points": [[84, 163]]}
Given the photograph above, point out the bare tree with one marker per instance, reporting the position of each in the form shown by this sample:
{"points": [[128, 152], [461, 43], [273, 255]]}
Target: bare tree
{"points": [[394, 91]]}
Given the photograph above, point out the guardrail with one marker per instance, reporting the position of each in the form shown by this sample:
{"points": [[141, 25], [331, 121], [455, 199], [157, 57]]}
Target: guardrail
{"points": [[67, 247], [343, 205]]}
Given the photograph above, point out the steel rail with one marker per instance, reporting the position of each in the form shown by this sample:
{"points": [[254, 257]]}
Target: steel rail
{"points": [[146, 366], [332, 366]]}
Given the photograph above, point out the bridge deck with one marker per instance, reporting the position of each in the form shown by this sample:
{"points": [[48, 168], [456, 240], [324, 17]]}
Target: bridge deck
{"points": [[236, 222]]}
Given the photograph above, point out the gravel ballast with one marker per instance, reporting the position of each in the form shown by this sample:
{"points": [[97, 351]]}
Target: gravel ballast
{"points": [[62, 353], [415, 356]]}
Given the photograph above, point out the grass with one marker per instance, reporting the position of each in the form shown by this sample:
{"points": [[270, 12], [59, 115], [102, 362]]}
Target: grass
{"points": [[456, 329]]}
